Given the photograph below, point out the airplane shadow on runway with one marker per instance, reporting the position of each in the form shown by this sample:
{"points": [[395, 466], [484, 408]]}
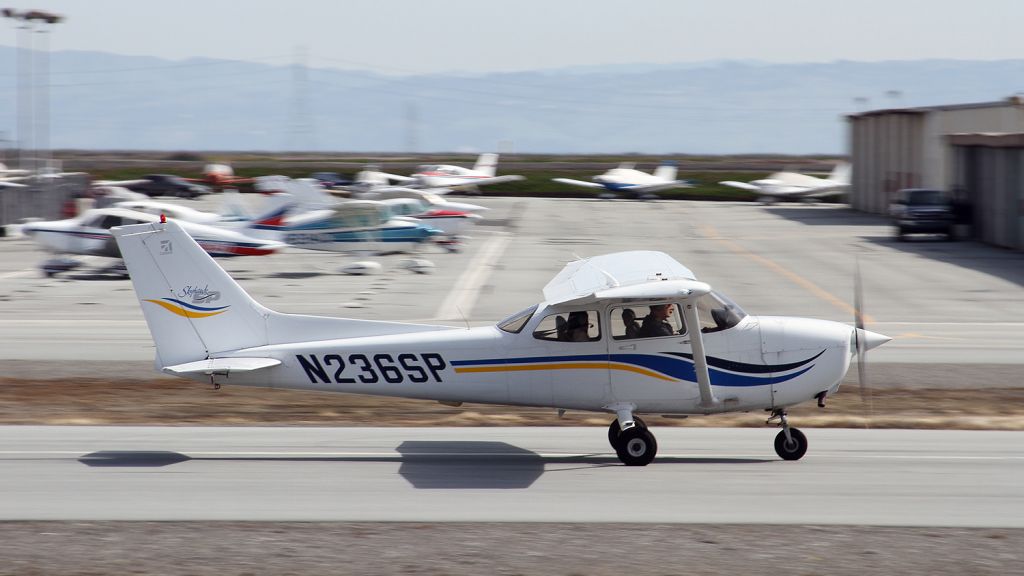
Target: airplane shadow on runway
{"points": [[424, 464]]}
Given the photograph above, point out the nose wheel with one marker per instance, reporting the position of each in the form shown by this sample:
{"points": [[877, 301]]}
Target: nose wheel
{"points": [[790, 443], [634, 446]]}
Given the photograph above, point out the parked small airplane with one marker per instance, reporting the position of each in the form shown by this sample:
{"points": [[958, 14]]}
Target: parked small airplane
{"points": [[432, 200], [88, 234], [626, 178], [782, 185], [453, 223], [174, 211], [443, 176], [218, 176], [584, 348]]}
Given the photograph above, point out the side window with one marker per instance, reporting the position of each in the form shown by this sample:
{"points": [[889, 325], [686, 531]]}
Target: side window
{"points": [[646, 321], [110, 221], [581, 326]]}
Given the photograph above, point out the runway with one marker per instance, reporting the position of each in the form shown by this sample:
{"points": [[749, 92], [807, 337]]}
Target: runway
{"points": [[714, 476]]}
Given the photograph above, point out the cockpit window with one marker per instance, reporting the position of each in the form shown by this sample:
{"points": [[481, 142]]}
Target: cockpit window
{"points": [[717, 312], [580, 326], [514, 323]]}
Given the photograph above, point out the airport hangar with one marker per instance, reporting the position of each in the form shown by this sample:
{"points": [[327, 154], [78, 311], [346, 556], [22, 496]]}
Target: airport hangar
{"points": [[974, 152]]}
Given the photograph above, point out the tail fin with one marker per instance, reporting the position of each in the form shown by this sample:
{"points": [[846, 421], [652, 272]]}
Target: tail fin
{"points": [[666, 171], [487, 164], [308, 195], [841, 173], [193, 308]]}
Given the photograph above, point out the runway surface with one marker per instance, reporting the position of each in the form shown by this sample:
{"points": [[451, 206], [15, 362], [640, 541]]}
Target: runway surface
{"points": [[849, 477]]}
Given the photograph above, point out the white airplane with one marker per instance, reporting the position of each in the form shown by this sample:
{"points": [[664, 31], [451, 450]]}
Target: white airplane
{"points": [[443, 176], [626, 178], [782, 185], [173, 211], [584, 348], [453, 223], [88, 234], [429, 198]]}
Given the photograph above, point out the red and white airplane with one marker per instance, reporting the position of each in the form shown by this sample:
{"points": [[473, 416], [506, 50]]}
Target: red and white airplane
{"points": [[443, 176], [220, 175]]}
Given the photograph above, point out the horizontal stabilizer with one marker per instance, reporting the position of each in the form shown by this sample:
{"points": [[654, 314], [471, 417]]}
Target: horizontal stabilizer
{"points": [[222, 366], [741, 185]]}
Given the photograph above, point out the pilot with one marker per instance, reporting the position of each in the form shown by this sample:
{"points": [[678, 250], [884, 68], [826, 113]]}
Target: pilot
{"points": [[578, 327], [656, 322]]}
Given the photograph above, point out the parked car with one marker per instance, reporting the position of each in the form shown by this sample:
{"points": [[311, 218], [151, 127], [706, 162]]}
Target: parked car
{"points": [[168, 185], [331, 179], [922, 211]]}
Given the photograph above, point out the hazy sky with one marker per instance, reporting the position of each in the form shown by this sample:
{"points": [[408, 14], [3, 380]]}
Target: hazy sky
{"points": [[419, 36]]}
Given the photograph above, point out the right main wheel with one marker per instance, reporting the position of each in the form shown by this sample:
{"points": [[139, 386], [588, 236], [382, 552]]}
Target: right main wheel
{"points": [[791, 450]]}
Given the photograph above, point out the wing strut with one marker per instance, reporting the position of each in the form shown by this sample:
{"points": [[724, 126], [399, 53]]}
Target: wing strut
{"points": [[700, 361]]}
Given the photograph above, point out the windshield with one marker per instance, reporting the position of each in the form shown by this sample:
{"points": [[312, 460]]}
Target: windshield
{"points": [[925, 198], [514, 323], [717, 312]]}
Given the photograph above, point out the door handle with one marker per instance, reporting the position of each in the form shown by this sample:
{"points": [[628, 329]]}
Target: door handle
{"points": [[629, 347]]}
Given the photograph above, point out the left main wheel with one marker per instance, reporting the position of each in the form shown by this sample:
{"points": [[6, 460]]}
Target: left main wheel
{"points": [[614, 431], [637, 447], [791, 450]]}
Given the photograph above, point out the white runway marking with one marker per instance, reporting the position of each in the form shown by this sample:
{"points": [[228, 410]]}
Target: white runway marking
{"points": [[467, 287]]}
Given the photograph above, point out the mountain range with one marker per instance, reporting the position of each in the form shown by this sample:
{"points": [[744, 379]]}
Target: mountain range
{"points": [[110, 101]]}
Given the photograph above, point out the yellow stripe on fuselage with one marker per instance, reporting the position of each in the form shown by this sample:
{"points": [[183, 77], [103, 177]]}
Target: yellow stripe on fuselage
{"points": [[183, 311], [564, 366]]}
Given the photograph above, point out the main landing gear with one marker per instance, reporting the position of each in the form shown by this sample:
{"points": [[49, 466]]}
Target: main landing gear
{"points": [[635, 446], [790, 443]]}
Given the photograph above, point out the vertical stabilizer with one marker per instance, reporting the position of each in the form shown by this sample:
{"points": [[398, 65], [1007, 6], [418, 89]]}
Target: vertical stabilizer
{"points": [[193, 308], [841, 173], [487, 164], [667, 171]]}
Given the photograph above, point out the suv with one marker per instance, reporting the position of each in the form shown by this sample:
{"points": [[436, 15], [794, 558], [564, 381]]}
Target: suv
{"points": [[922, 211], [168, 185]]}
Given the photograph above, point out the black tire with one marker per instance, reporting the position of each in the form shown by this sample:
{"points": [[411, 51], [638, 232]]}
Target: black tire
{"points": [[614, 431], [637, 447], [794, 450]]}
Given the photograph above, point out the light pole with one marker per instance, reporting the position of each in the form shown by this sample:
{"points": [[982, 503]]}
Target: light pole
{"points": [[30, 119]]}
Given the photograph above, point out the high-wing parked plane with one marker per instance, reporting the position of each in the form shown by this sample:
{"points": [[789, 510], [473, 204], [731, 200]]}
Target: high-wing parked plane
{"points": [[453, 223], [355, 226], [626, 178], [88, 234], [584, 348], [782, 185], [432, 200], [444, 176]]}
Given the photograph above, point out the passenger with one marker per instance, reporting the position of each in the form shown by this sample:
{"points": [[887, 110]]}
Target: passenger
{"points": [[632, 326], [656, 323], [578, 327]]}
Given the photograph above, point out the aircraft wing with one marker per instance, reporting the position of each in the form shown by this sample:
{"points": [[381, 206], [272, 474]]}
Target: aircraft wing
{"points": [[499, 179], [122, 183], [639, 274], [582, 183], [741, 185], [643, 188]]}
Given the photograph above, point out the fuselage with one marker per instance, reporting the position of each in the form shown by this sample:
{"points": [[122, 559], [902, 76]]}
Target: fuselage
{"points": [[759, 362]]}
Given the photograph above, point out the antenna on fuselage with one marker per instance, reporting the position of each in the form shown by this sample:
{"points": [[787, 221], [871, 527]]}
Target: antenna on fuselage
{"points": [[464, 319]]}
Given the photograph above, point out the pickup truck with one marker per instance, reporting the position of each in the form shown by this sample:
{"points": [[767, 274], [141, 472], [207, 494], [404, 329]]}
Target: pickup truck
{"points": [[922, 211]]}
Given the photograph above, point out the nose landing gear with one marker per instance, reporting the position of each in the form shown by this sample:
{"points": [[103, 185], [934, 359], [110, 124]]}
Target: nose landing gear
{"points": [[790, 443]]}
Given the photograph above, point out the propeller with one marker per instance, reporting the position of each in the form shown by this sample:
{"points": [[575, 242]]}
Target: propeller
{"points": [[859, 340]]}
